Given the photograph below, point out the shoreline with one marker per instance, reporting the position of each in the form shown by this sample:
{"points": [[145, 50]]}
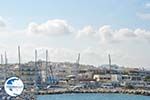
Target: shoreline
{"points": [[119, 91]]}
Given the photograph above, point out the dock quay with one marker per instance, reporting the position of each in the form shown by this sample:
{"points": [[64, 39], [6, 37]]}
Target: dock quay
{"points": [[99, 90]]}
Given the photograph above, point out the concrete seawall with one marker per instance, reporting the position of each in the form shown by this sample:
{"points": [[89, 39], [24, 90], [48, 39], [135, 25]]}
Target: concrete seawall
{"points": [[124, 91]]}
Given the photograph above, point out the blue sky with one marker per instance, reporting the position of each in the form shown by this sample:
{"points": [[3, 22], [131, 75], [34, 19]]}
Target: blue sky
{"points": [[66, 27], [78, 12]]}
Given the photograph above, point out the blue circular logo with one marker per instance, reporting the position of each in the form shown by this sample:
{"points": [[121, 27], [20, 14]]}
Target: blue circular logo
{"points": [[14, 86]]}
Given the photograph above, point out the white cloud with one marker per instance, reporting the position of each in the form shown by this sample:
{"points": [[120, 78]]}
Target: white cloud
{"points": [[106, 34], [87, 31], [2, 22], [124, 34], [143, 34], [51, 27], [109, 35]]}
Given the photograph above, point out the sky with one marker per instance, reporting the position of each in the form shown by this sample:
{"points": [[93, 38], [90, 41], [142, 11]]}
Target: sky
{"points": [[93, 28]]}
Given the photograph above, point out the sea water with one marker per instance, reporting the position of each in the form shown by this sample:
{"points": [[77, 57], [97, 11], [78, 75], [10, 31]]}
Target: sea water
{"points": [[92, 96]]}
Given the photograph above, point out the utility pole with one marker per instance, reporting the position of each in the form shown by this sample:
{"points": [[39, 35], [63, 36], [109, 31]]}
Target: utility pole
{"points": [[19, 61], [77, 65], [76, 69], [2, 60], [19, 58], [5, 69], [35, 58], [46, 65], [35, 62], [36, 77], [78, 60], [109, 63], [6, 60]]}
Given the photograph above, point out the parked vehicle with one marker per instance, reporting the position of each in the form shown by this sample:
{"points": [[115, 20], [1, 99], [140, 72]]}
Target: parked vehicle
{"points": [[107, 85]]}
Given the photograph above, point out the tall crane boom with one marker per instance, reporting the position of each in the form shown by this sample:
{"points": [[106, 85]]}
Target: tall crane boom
{"points": [[109, 58]]}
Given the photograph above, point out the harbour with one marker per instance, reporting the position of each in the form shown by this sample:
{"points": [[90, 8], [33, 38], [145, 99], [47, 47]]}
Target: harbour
{"points": [[49, 78]]}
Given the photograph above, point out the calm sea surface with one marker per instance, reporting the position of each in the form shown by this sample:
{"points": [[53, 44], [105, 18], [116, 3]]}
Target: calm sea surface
{"points": [[93, 96]]}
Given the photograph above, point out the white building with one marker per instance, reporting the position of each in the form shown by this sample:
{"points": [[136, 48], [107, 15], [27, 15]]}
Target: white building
{"points": [[102, 78]]}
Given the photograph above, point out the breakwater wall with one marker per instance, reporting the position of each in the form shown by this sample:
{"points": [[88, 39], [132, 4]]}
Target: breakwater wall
{"points": [[124, 91]]}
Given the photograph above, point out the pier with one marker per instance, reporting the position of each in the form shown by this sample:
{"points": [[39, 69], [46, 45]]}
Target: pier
{"points": [[99, 90]]}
